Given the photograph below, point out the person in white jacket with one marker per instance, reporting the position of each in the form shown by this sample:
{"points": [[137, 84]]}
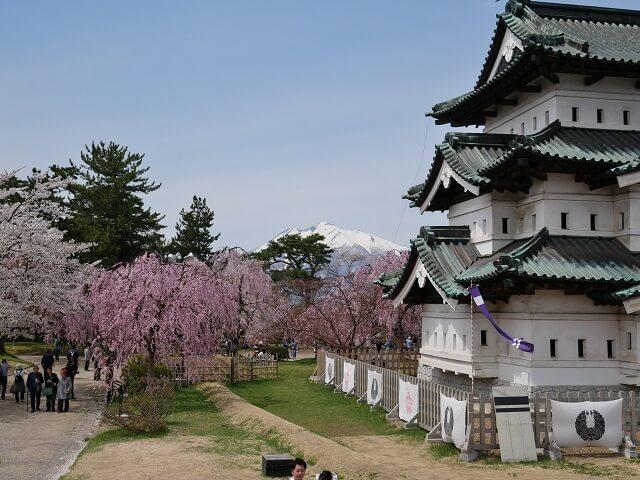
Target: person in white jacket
{"points": [[64, 391]]}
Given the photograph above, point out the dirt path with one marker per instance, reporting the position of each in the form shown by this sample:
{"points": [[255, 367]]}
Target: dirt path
{"points": [[43, 445]]}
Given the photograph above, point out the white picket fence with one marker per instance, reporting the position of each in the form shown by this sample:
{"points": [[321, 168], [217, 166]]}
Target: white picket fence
{"points": [[481, 415]]}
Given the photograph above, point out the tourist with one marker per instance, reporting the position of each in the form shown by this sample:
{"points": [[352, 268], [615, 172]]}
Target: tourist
{"points": [[57, 348], [326, 475], [299, 469], [64, 391], [294, 349], [34, 385], [87, 359], [72, 367], [4, 374], [47, 361], [51, 382], [18, 384]]}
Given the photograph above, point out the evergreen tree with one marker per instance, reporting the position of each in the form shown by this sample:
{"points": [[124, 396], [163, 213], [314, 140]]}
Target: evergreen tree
{"points": [[106, 209], [301, 257], [193, 231]]}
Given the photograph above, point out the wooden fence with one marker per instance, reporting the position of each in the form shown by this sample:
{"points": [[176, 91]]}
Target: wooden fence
{"points": [[481, 414], [400, 360], [221, 369]]}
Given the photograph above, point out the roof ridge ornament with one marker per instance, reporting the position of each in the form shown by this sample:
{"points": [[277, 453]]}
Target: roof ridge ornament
{"points": [[514, 7]]}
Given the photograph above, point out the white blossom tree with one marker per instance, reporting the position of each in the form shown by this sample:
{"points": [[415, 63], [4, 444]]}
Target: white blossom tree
{"points": [[39, 272]]}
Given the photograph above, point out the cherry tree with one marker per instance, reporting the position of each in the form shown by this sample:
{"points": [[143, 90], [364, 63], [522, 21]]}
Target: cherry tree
{"points": [[152, 308], [252, 306], [39, 271], [349, 308]]}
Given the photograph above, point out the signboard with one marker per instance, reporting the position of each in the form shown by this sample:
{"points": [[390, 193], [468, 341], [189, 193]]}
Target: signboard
{"points": [[374, 387], [348, 377], [513, 419], [453, 420], [408, 401], [329, 370], [587, 424]]}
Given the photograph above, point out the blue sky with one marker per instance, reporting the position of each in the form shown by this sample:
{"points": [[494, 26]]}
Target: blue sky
{"points": [[280, 113]]}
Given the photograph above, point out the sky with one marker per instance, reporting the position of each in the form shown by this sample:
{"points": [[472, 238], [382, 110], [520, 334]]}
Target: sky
{"points": [[280, 113]]}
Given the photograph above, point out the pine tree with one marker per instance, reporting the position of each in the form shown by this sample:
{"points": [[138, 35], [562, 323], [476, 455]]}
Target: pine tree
{"points": [[193, 231], [106, 206], [297, 257]]}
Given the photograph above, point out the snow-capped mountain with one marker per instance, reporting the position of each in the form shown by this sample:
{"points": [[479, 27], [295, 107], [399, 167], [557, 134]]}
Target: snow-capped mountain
{"points": [[345, 243]]}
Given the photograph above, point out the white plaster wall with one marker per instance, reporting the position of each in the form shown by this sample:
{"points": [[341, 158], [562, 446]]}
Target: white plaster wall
{"points": [[547, 200], [613, 95], [538, 318]]}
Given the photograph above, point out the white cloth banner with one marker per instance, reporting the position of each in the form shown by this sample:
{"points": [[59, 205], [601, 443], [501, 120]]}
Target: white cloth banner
{"points": [[453, 420], [348, 377], [408, 400], [329, 370], [587, 424], [374, 387]]}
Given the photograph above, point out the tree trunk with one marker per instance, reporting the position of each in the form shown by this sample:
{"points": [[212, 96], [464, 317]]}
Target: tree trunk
{"points": [[2, 345]]}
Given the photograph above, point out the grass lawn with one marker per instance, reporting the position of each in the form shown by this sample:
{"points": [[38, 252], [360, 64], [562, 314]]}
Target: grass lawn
{"points": [[195, 415], [296, 399], [26, 348]]}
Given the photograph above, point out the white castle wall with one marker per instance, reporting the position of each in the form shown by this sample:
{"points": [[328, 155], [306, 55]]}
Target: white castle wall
{"points": [[539, 318]]}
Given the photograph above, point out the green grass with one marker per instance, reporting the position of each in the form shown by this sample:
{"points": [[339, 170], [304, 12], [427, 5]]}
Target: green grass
{"points": [[582, 468], [13, 360], [438, 451], [316, 408], [26, 348]]}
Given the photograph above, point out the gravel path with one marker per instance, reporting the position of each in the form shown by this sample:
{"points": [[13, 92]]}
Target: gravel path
{"points": [[43, 445]]}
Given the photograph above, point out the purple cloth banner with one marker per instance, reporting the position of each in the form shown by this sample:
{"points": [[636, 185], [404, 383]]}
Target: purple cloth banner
{"points": [[519, 343]]}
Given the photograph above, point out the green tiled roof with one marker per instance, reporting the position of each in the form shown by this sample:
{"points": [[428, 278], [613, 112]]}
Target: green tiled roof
{"points": [[480, 159], [604, 264], [567, 33], [580, 259]]}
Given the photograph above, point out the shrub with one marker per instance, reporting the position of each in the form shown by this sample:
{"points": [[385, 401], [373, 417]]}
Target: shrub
{"points": [[144, 412], [134, 373], [279, 351]]}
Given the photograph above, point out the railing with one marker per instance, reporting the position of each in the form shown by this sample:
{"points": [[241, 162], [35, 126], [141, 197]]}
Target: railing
{"points": [[481, 414], [222, 369], [400, 360]]}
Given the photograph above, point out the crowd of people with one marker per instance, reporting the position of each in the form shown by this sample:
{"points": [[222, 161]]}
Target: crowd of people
{"points": [[56, 389]]}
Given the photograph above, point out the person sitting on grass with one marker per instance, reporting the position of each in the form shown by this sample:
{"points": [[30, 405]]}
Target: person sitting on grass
{"points": [[298, 469]]}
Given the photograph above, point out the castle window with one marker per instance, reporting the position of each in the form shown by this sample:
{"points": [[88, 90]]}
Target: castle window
{"points": [[553, 342], [546, 117], [535, 123], [628, 340], [505, 225], [621, 216], [475, 229], [484, 226], [483, 338], [455, 342], [512, 131], [533, 221], [564, 218], [610, 345], [435, 339], [626, 117], [574, 114], [581, 343], [464, 342], [522, 128], [600, 115], [444, 341], [593, 221]]}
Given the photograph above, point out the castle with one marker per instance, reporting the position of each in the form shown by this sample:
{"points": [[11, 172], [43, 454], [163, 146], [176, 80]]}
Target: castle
{"points": [[543, 208]]}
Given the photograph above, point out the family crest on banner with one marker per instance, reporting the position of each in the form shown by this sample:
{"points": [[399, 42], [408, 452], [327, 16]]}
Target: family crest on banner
{"points": [[374, 387], [349, 377], [329, 370], [587, 424], [408, 401], [453, 420]]}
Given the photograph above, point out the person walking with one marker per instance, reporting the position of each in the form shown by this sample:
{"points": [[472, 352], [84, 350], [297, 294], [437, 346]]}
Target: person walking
{"points": [[72, 367], [294, 349], [48, 359], [18, 384], [4, 374], [63, 393], [50, 389], [87, 359], [34, 385], [57, 348]]}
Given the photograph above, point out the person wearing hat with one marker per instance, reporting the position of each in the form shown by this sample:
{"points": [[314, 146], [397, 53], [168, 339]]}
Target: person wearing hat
{"points": [[18, 387]]}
